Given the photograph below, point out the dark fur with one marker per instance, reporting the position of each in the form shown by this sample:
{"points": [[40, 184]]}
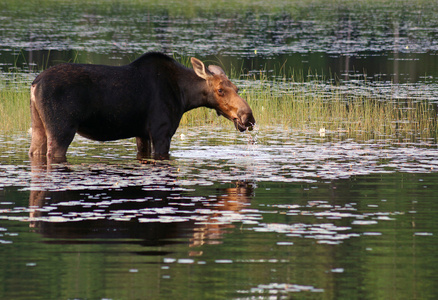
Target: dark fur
{"points": [[145, 99]]}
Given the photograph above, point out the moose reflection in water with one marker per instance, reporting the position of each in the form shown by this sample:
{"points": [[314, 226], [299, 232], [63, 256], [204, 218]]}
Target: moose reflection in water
{"points": [[147, 215]]}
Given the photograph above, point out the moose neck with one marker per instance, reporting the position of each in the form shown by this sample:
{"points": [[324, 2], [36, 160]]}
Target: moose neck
{"points": [[194, 90]]}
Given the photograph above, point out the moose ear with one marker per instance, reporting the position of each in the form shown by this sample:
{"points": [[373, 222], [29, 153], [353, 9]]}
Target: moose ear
{"points": [[199, 68], [216, 70]]}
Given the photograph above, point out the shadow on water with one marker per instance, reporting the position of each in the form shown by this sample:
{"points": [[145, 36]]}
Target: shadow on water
{"points": [[141, 203], [145, 215]]}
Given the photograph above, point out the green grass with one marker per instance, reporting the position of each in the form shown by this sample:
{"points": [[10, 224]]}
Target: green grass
{"points": [[14, 107], [354, 117], [281, 100], [189, 9], [285, 103]]}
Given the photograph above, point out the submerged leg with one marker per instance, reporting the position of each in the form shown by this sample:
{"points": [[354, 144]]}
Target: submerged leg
{"points": [[58, 143], [144, 148], [38, 145], [161, 148], [157, 148]]}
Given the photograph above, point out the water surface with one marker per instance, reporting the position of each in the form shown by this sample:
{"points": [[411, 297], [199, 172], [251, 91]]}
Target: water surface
{"points": [[384, 41], [278, 213]]}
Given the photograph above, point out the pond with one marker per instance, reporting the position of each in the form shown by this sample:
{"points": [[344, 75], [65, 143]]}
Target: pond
{"points": [[385, 41], [225, 218], [276, 213]]}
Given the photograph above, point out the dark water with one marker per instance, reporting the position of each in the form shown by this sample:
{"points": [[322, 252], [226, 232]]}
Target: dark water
{"points": [[388, 41], [291, 216]]}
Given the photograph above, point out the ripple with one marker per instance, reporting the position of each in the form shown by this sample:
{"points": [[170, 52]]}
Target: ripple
{"points": [[207, 156]]}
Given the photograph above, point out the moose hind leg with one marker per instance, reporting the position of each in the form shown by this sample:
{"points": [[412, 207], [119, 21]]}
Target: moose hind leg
{"points": [[58, 143], [38, 145]]}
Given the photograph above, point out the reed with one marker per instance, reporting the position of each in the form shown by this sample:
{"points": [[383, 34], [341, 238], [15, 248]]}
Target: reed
{"points": [[309, 108], [286, 101], [14, 107], [355, 117]]}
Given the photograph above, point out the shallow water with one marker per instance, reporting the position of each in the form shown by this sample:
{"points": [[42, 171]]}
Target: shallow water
{"points": [[275, 214]]}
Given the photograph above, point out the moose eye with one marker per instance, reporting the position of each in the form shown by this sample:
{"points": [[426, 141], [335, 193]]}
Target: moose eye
{"points": [[220, 91]]}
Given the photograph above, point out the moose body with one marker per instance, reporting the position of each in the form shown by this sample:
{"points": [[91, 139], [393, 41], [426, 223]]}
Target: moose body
{"points": [[145, 99]]}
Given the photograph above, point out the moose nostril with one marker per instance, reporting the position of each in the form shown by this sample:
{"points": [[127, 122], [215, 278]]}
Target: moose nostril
{"points": [[245, 115], [251, 120], [247, 119]]}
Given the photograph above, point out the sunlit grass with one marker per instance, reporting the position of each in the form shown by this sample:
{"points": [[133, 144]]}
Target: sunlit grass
{"points": [[312, 110], [189, 9], [300, 105], [14, 107], [360, 118]]}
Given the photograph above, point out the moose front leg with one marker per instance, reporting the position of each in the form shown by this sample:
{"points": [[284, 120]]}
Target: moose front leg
{"points": [[144, 148], [161, 148], [156, 149]]}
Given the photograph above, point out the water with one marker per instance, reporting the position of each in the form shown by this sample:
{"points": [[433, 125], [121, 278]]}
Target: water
{"points": [[279, 213], [275, 214], [390, 42]]}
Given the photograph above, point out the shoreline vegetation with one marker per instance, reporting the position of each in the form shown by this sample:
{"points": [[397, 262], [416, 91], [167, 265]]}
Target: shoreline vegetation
{"points": [[301, 105], [176, 8], [356, 117], [14, 107], [280, 99]]}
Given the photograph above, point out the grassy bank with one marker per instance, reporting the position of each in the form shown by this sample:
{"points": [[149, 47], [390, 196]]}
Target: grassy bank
{"points": [[14, 107], [189, 9], [287, 104], [360, 118], [308, 107]]}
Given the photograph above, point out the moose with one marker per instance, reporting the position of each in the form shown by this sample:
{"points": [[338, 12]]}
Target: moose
{"points": [[145, 99]]}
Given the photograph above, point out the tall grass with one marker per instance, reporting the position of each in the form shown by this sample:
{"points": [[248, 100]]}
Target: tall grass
{"points": [[14, 107], [306, 106], [356, 117], [286, 102]]}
